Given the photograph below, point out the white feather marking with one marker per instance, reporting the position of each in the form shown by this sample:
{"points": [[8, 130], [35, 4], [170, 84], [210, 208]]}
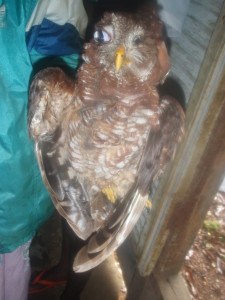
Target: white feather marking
{"points": [[132, 129], [105, 169], [85, 58], [101, 158], [94, 189], [118, 153], [135, 148], [87, 97], [140, 121], [65, 183], [102, 136], [73, 143], [73, 125], [50, 154], [65, 204], [140, 141], [62, 156], [71, 173], [147, 112], [130, 139], [78, 166], [129, 99], [121, 165], [98, 171], [108, 156], [76, 155], [118, 131]]}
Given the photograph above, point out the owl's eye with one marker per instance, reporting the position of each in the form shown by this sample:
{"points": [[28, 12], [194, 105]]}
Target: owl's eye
{"points": [[138, 40], [101, 36]]}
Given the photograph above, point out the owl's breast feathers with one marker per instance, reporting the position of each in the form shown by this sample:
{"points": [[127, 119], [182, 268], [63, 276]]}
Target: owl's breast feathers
{"points": [[108, 133]]}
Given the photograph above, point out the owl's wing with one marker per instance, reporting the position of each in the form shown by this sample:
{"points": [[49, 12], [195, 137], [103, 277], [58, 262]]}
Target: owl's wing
{"points": [[161, 144], [159, 149], [51, 92], [67, 192]]}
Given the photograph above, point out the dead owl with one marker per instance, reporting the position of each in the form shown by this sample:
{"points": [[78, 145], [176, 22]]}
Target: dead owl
{"points": [[102, 139]]}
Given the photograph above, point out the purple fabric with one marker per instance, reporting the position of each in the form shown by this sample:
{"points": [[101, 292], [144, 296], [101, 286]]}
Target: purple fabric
{"points": [[15, 274]]}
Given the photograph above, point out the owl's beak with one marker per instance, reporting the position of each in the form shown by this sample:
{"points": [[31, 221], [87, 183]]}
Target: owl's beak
{"points": [[119, 60]]}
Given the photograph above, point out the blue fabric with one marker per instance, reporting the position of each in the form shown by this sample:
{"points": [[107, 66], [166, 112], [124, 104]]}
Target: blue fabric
{"points": [[24, 201], [49, 38]]}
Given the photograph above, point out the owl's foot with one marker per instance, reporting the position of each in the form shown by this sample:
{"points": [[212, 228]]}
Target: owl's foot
{"points": [[148, 204], [110, 194]]}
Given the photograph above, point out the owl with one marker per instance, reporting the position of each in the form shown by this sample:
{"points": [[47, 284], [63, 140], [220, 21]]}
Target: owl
{"points": [[102, 138]]}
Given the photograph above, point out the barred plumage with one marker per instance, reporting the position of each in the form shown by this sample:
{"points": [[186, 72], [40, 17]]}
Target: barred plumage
{"points": [[102, 139]]}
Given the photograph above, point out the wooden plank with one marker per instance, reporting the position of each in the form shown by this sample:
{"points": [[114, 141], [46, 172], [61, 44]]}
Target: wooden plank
{"points": [[188, 50], [151, 287], [173, 288], [143, 288], [183, 198]]}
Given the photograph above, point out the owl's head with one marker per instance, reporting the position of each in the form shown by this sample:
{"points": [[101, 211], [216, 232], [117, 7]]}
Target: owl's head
{"points": [[129, 45]]}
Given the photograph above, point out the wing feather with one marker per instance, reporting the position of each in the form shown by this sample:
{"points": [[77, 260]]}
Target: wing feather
{"points": [[72, 204]]}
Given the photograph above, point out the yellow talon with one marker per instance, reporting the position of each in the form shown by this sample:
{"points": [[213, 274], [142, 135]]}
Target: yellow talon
{"points": [[110, 194], [148, 204]]}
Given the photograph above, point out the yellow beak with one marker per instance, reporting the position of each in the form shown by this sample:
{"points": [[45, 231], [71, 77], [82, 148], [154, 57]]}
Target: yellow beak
{"points": [[120, 56]]}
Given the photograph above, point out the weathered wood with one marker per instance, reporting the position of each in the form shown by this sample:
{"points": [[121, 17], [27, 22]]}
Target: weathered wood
{"points": [[197, 191], [173, 288], [188, 50], [184, 197], [151, 287], [179, 85], [144, 288]]}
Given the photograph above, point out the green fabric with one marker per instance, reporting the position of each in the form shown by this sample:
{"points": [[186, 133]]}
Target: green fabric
{"points": [[71, 60], [24, 201], [68, 63]]}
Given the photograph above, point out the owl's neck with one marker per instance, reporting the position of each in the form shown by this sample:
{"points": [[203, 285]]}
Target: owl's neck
{"points": [[96, 86]]}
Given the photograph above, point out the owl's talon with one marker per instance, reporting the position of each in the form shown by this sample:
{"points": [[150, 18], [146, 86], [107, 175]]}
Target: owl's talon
{"points": [[110, 194], [148, 204]]}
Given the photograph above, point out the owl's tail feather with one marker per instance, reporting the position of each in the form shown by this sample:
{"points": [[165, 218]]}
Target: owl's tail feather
{"points": [[104, 236], [108, 239]]}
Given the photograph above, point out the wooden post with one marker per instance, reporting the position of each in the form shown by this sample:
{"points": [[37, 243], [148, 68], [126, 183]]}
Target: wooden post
{"points": [[186, 193]]}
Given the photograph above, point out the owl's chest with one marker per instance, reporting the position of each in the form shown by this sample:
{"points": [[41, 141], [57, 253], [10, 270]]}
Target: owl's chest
{"points": [[111, 145]]}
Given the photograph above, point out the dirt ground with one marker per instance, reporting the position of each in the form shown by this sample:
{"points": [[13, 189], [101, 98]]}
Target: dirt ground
{"points": [[204, 268]]}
